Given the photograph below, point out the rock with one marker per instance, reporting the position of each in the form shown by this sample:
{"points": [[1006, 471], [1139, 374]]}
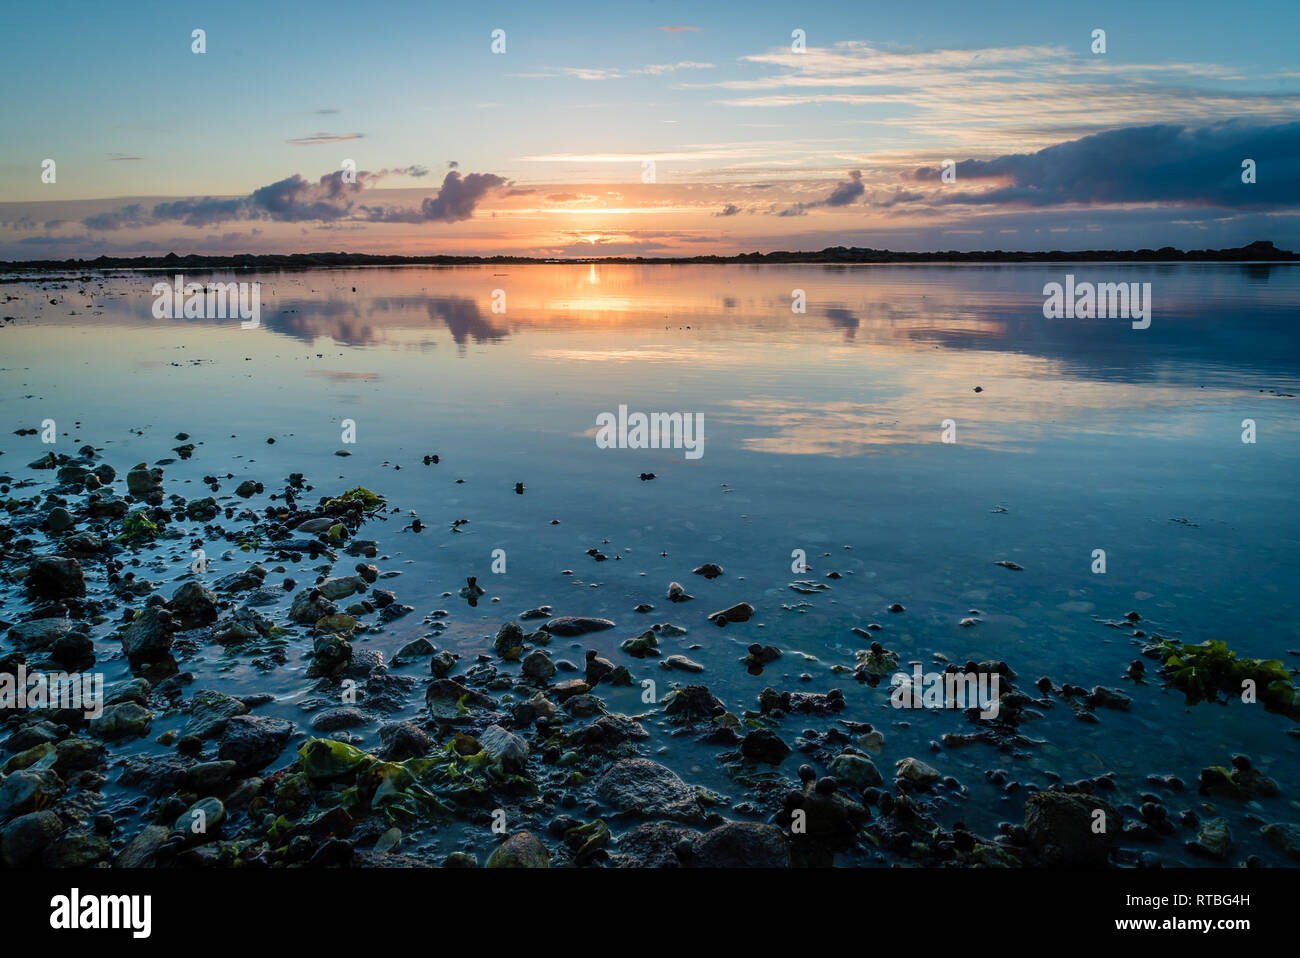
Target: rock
{"points": [[682, 663], [520, 850], [206, 776], [341, 587], [201, 817], [583, 706], [28, 789], [149, 637], [691, 703], [509, 641], [254, 741], [309, 606], [855, 770], [569, 688], [568, 625], [1283, 836], [537, 707], [449, 700], [607, 732], [537, 665], [740, 612], [1060, 828], [58, 519], [39, 633], [403, 740], [24, 839], [193, 605], [647, 643], [1214, 838], [202, 510], [248, 488], [442, 663], [710, 570], [643, 787], [917, 772], [597, 668], [141, 481], [741, 845], [141, 851], [54, 577], [763, 745], [76, 851], [677, 594], [505, 747], [118, 721], [332, 720]]}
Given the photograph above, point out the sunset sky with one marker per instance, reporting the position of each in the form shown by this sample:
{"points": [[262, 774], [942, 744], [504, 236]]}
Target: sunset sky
{"points": [[541, 150]]}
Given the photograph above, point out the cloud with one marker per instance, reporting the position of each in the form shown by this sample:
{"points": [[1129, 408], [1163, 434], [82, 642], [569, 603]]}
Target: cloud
{"points": [[456, 201], [1168, 163], [125, 218], [846, 192], [119, 157], [731, 209], [316, 139], [680, 29]]}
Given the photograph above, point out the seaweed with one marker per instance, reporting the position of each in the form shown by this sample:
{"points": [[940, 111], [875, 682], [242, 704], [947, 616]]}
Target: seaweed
{"points": [[1203, 671], [137, 527]]}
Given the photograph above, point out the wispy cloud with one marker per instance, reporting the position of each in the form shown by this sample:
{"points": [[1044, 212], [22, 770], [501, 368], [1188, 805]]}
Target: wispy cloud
{"points": [[317, 139]]}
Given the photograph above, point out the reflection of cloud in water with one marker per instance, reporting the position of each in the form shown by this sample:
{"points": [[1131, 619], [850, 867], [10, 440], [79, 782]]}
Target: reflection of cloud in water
{"points": [[375, 320], [1033, 401]]}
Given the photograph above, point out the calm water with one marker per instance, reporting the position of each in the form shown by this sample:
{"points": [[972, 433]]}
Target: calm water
{"points": [[822, 433]]}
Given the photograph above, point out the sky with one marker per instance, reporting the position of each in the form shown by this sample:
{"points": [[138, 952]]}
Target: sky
{"points": [[645, 128]]}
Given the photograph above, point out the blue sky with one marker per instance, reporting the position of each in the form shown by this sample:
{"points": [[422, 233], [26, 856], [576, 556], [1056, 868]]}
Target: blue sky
{"points": [[754, 144]]}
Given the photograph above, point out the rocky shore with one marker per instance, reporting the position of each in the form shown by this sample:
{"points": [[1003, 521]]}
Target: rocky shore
{"points": [[106, 567]]}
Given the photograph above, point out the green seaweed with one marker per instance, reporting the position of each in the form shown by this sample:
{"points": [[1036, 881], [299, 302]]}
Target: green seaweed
{"points": [[1202, 671], [137, 527]]}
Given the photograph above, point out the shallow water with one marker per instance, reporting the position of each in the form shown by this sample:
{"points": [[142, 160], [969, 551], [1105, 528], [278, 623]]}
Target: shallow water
{"points": [[822, 433]]}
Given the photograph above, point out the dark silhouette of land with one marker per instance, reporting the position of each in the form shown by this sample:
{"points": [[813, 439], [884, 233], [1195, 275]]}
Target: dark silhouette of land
{"points": [[1259, 251]]}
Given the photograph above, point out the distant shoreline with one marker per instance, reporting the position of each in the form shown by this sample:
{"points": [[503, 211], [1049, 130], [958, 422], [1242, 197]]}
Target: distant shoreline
{"points": [[1262, 251]]}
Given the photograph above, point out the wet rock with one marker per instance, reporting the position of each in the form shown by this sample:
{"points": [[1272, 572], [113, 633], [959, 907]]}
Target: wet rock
{"points": [[201, 817], [916, 772], [210, 711], [254, 741], [597, 668], [710, 570], [568, 625], [677, 594], [763, 745], [533, 709], [204, 777], [1284, 837], [537, 665], [143, 849], [149, 637], [520, 850], [192, 605], [202, 510], [1214, 838], [141, 481], [28, 789], [1060, 828], [855, 770], [24, 839], [740, 612], [54, 577], [449, 700], [643, 787], [442, 664], [331, 720], [607, 732], [509, 642], [692, 703], [647, 643], [741, 845], [341, 587], [119, 721], [682, 664], [403, 740], [39, 633], [504, 747], [58, 519], [309, 606], [76, 851]]}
